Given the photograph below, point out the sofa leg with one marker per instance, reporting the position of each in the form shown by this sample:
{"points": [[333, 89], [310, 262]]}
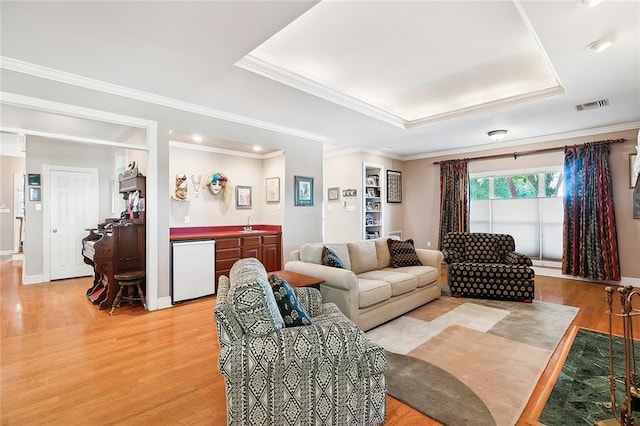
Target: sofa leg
{"points": [[457, 295], [527, 301]]}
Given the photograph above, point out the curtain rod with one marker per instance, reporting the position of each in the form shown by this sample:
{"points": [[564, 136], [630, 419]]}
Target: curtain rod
{"points": [[516, 154]]}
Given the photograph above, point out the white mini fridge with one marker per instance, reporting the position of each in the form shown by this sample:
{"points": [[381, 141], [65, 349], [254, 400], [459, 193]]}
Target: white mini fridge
{"points": [[193, 269]]}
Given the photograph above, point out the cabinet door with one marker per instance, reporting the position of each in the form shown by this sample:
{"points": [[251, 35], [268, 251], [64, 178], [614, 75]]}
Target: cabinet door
{"points": [[271, 257], [252, 252]]}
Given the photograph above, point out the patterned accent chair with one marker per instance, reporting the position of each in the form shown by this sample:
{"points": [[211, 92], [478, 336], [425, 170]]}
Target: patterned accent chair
{"points": [[325, 373], [487, 265]]}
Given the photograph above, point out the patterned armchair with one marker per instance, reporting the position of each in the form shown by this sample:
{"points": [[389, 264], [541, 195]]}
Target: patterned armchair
{"points": [[487, 265], [325, 373]]}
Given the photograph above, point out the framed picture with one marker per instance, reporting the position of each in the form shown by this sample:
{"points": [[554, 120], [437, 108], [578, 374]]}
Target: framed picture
{"points": [[333, 194], [34, 194], [394, 186], [33, 179], [273, 189], [243, 197], [632, 178], [303, 187]]}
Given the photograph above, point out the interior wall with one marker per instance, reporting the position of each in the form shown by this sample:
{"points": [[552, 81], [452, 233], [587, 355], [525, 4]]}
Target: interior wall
{"points": [[345, 171], [8, 166], [303, 157], [422, 177], [273, 213], [209, 209]]}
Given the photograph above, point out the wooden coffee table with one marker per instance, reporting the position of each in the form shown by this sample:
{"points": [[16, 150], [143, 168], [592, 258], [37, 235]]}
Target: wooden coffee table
{"points": [[299, 280]]}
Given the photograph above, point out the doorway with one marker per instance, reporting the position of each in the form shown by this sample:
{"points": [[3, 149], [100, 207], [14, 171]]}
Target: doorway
{"points": [[73, 210]]}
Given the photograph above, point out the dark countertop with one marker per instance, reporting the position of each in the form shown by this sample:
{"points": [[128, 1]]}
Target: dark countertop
{"points": [[213, 232]]}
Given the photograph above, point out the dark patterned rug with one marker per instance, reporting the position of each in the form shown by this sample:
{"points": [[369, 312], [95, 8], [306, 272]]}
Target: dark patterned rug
{"points": [[581, 395]]}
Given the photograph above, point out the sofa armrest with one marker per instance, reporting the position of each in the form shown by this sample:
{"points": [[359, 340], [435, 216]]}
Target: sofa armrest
{"points": [[431, 258], [333, 277], [515, 258]]}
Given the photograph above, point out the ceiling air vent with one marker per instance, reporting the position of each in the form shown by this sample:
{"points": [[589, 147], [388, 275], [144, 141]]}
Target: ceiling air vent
{"points": [[593, 105]]}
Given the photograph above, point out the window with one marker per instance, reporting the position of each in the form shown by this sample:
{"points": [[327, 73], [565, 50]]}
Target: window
{"points": [[525, 204]]}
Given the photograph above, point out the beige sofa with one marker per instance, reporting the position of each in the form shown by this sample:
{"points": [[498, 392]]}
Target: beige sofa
{"points": [[369, 291]]}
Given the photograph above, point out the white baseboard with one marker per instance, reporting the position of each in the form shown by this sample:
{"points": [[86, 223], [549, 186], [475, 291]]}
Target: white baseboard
{"points": [[6, 252], [553, 272], [33, 279], [164, 302]]}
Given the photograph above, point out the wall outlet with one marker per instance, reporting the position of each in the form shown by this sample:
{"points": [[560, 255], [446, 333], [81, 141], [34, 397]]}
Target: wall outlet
{"points": [[186, 219], [428, 243]]}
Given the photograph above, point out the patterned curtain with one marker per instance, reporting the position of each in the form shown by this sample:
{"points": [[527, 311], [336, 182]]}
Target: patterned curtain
{"points": [[590, 241], [454, 197]]}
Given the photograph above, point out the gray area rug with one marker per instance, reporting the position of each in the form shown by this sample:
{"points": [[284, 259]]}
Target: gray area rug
{"points": [[406, 377], [471, 361]]}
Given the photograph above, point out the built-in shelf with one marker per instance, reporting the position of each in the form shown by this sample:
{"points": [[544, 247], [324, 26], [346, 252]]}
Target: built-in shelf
{"points": [[372, 207]]}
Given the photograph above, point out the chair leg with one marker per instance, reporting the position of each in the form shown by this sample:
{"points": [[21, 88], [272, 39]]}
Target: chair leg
{"points": [[116, 300], [141, 295]]}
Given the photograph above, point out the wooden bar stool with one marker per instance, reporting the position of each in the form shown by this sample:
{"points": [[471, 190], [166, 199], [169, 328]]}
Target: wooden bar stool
{"points": [[128, 279]]}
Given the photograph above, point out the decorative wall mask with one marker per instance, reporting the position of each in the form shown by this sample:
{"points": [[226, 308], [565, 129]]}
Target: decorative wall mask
{"points": [[219, 184], [181, 187]]}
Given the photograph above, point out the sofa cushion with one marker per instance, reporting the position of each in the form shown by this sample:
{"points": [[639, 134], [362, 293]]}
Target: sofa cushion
{"points": [[382, 251], [400, 282], [251, 298], [403, 253], [372, 292], [312, 253], [424, 274], [363, 256], [293, 313], [330, 258], [482, 248]]}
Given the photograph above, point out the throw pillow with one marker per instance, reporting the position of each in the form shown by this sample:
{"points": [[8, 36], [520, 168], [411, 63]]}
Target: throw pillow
{"points": [[292, 311], [330, 258], [403, 253]]}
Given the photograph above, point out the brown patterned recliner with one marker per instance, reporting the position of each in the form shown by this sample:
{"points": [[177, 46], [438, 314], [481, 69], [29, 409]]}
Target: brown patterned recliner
{"points": [[487, 265]]}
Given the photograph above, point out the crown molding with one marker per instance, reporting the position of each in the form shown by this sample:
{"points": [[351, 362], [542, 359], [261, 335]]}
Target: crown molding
{"points": [[306, 84], [113, 89], [362, 150], [70, 138], [528, 141]]}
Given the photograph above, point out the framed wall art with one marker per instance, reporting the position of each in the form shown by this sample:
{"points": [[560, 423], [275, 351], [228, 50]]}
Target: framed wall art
{"points": [[303, 187], [272, 186], [243, 197], [35, 194], [394, 186], [333, 194], [632, 178]]}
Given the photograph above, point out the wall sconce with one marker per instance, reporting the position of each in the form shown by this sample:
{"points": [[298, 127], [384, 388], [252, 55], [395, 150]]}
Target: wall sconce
{"points": [[497, 135]]}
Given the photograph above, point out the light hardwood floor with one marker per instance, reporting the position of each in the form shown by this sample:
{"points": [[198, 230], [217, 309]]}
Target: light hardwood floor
{"points": [[64, 362]]}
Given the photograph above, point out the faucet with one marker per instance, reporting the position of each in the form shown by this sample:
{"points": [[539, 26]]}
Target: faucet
{"points": [[248, 227]]}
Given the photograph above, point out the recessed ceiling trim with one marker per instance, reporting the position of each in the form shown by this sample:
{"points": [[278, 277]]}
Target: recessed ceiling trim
{"points": [[272, 71], [205, 148], [537, 95], [113, 89], [297, 81]]}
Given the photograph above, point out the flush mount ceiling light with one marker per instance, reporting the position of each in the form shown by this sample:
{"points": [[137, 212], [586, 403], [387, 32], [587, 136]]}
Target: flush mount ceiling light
{"points": [[599, 45], [197, 138], [588, 3], [497, 135]]}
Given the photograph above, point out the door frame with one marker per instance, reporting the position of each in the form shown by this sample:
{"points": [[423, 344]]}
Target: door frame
{"points": [[46, 209], [151, 127]]}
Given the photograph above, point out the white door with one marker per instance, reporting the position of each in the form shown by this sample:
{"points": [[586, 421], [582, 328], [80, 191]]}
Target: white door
{"points": [[74, 208]]}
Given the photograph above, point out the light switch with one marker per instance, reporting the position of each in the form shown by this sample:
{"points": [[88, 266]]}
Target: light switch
{"points": [[186, 219], [38, 207]]}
